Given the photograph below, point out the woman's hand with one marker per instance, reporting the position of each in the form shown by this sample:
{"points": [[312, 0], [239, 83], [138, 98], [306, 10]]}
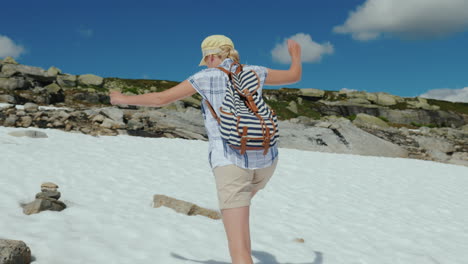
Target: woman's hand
{"points": [[294, 49], [117, 97], [294, 74]]}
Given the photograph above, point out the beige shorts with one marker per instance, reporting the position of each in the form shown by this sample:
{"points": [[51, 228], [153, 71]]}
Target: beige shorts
{"points": [[235, 185]]}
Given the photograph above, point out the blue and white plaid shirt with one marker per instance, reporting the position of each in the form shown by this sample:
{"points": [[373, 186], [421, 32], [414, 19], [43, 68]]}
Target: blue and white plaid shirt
{"points": [[211, 85]]}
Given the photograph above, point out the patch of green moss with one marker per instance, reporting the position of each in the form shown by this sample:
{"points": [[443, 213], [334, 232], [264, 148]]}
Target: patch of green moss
{"points": [[351, 117], [423, 125], [450, 106], [307, 109], [281, 109], [399, 106], [383, 119]]}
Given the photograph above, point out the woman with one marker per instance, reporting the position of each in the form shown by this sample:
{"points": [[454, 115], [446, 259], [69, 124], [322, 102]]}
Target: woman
{"points": [[238, 177]]}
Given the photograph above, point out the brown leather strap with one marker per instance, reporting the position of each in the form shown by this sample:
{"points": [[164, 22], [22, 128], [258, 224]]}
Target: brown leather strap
{"points": [[266, 142], [226, 71], [244, 141]]}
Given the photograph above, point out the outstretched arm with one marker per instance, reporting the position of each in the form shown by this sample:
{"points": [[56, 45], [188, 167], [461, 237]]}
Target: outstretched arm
{"points": [[180, 91], [293, 75]]}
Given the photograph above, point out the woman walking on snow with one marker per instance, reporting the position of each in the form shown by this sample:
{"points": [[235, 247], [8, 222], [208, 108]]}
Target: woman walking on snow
{"points": [[238, 176]]}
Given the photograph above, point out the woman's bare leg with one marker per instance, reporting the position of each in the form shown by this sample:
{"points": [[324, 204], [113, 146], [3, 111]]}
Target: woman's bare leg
{"points": [[236, 225]]}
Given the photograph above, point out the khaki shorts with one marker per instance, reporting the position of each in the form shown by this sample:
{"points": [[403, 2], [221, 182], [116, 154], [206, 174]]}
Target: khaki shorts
{"points": [[235, 185]]}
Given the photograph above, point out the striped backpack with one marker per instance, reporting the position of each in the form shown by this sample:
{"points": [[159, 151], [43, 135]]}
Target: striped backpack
{"points": [[246, 121]]}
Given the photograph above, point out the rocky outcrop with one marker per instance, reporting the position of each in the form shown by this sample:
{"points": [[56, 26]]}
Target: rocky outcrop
{"points": [[14, 252], [183, 207], [336, 135], [107, 121], [390, 122], [407, 116]]}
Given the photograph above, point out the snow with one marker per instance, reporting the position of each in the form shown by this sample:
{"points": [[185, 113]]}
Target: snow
{"points": [[349, 209], [3, 105]]}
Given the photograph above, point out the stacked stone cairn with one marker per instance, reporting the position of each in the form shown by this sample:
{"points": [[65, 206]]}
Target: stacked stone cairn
{"points": [[47, 199]]}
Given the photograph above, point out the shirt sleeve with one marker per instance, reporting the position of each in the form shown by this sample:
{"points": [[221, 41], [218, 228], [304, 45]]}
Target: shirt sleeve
{"points": [[197, 81], [262, 74]]}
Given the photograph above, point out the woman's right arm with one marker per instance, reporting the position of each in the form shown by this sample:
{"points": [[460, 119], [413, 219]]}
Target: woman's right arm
{"points": [[293, 75], [156, 99]]}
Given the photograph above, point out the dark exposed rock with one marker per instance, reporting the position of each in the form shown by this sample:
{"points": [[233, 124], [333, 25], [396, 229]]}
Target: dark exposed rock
{"points": [[14, 252]]}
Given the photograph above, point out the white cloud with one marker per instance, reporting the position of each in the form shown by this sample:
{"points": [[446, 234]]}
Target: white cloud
{"points": [[406, 18], [87, 33], [453, 95], [311, 51], [346, 90], [9, 48]]}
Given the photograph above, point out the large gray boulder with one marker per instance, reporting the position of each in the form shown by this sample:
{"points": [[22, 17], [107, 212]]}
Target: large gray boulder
{"points": [[311, 92], [336, 136], [14, 252], [13, 83], [34, 72], [6, 98], [365, 120], [90, 80], [67, 80]]}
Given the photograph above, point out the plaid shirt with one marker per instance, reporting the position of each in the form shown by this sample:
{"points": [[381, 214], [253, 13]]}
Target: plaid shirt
{"points": [[211, 84]]}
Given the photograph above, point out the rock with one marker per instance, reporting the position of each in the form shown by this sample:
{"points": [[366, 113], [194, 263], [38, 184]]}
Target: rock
{"points": [[48, 195], [336, 135], [28, 133], [90, 80], [53, 88], [134, 124], [421, 103], [13, 84], [459, 158], [111, 124], [98, 118], [29, 71], [10, 120], [464, 128], [191, 101], [52, 71], [183, 207], [311, 92], [47, 199], [358, 101], [299, 240], [113, 113], [66, 80], [87, 97], [26, 121], [49, 187], [293, 107], [14, 252], [438, 155], [40, 205], [385, 99], [31, 107], [6, 98], [9, 60], [369, 121], [434, 144], [372, 97]]}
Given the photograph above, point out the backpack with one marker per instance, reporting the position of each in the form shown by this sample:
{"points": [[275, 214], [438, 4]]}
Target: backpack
{"points": [[246, 122]]}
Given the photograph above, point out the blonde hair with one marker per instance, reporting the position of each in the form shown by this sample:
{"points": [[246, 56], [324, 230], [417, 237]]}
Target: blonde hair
{"points": [[228, 51]]}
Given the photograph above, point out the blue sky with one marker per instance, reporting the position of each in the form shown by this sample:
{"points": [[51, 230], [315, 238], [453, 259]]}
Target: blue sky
{"points": [[402, 47]]}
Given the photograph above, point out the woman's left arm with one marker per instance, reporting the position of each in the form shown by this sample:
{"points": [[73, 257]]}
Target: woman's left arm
{"points": [[180, 91]]}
